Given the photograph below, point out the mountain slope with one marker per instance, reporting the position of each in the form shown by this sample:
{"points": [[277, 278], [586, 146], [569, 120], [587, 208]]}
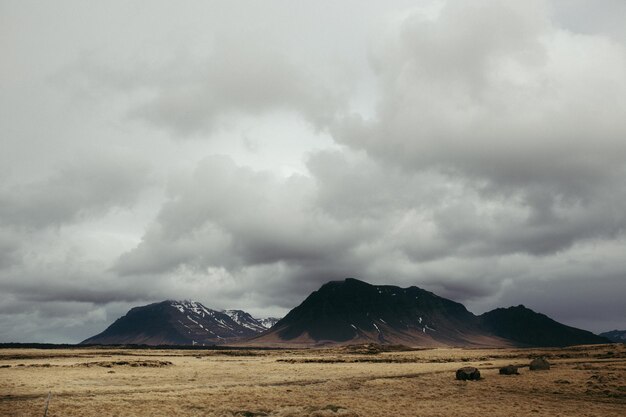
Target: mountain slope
{"points": [[246, 320], [526, 327], [616, 336], [178, 323], [354, 311]]}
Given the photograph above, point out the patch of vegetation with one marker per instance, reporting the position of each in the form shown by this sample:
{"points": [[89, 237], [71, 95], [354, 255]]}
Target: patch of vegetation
{"points": [[143, 363], [250, 414]]}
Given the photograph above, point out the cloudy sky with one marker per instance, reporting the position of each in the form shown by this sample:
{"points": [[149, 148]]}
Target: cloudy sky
{"points": [[242, 153]]}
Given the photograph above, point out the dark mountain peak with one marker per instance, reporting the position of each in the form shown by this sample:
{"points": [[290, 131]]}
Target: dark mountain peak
{"points": [[516, 311], [346, 284], [527, 327], [617, 336], [351, 282], [348, 280], [352, 309]]}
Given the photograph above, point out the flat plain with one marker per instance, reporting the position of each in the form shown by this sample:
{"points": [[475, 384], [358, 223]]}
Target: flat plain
{"points": [[345, 381]]}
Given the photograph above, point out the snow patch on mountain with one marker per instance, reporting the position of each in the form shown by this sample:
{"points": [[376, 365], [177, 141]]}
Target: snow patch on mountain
{"points": [[225, 318]]}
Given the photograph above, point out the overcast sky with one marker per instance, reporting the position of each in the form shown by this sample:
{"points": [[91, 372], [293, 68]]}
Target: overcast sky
{"points": [[242, 153]]}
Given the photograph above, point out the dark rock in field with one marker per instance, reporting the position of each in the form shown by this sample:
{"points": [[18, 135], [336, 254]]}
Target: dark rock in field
{"points": [[539, 364], [509, 370], [333, 408], [468, 373]]}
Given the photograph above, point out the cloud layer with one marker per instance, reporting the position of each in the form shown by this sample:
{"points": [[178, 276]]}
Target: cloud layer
{"points": [[475, 149]]}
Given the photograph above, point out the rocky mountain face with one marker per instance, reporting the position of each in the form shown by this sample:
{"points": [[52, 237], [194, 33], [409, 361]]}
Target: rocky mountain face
{"points": [[180, 323], [352, 311], [616, 336]]}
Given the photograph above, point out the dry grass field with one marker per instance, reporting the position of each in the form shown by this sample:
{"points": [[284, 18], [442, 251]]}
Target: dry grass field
{"points": [[583, 381]]}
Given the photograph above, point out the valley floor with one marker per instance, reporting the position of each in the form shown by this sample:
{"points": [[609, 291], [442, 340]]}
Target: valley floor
{"points": [[583, 381]]}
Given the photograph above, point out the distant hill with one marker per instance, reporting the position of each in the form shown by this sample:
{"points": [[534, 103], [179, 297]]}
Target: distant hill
{"points": [[180, 323], [617, 336], [352, 311], [523, 326]]}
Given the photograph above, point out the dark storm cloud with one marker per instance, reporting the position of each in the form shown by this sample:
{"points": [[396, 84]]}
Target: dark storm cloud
{"points": [[40, 266], [239, 77], [503, 96], [88, 186], [238, 74], [341, 222], [8, 248], [521, 110], [582, 288], [230, 216], [483, 154], [83, 289]]}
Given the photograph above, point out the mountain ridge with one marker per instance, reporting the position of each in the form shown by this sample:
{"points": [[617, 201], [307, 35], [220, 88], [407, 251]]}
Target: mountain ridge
{"points": [[617, 336], [345, 312], [175, 322], [353, 311]]}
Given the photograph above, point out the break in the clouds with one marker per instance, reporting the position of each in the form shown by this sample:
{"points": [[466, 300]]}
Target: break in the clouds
{"points": [[243, 154]]}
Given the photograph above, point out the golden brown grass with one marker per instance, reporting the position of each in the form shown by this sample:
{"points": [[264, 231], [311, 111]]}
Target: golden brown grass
{"points": [[585, 381]]}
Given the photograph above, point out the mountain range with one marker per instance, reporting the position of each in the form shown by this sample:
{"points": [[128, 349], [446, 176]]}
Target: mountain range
{"points": [[181, 323], [352, 311], [346, 312]]}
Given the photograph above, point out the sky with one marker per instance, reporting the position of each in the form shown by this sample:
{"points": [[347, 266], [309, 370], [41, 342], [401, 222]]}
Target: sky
{"points": [[243, 153]]}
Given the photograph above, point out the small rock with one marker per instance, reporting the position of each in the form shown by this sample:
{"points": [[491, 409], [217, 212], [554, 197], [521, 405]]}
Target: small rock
{"points": [[468, 373], [539, 364], [509, 370]]}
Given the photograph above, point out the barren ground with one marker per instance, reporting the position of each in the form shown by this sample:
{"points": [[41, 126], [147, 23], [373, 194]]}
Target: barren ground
{"points": [[583, 381]]}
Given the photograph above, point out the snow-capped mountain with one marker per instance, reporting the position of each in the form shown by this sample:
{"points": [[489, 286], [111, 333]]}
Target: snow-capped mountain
{"points": [[246, 320], [179, 323], [268, 322]]}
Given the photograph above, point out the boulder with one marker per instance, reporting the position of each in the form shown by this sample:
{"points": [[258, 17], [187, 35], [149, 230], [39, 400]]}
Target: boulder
{"points": [[468, 373], [539, 364], [509, 370]]}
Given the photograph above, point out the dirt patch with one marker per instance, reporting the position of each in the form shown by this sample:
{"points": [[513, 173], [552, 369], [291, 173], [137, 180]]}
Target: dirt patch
{"points": [[138, 363], [373, 349]]}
